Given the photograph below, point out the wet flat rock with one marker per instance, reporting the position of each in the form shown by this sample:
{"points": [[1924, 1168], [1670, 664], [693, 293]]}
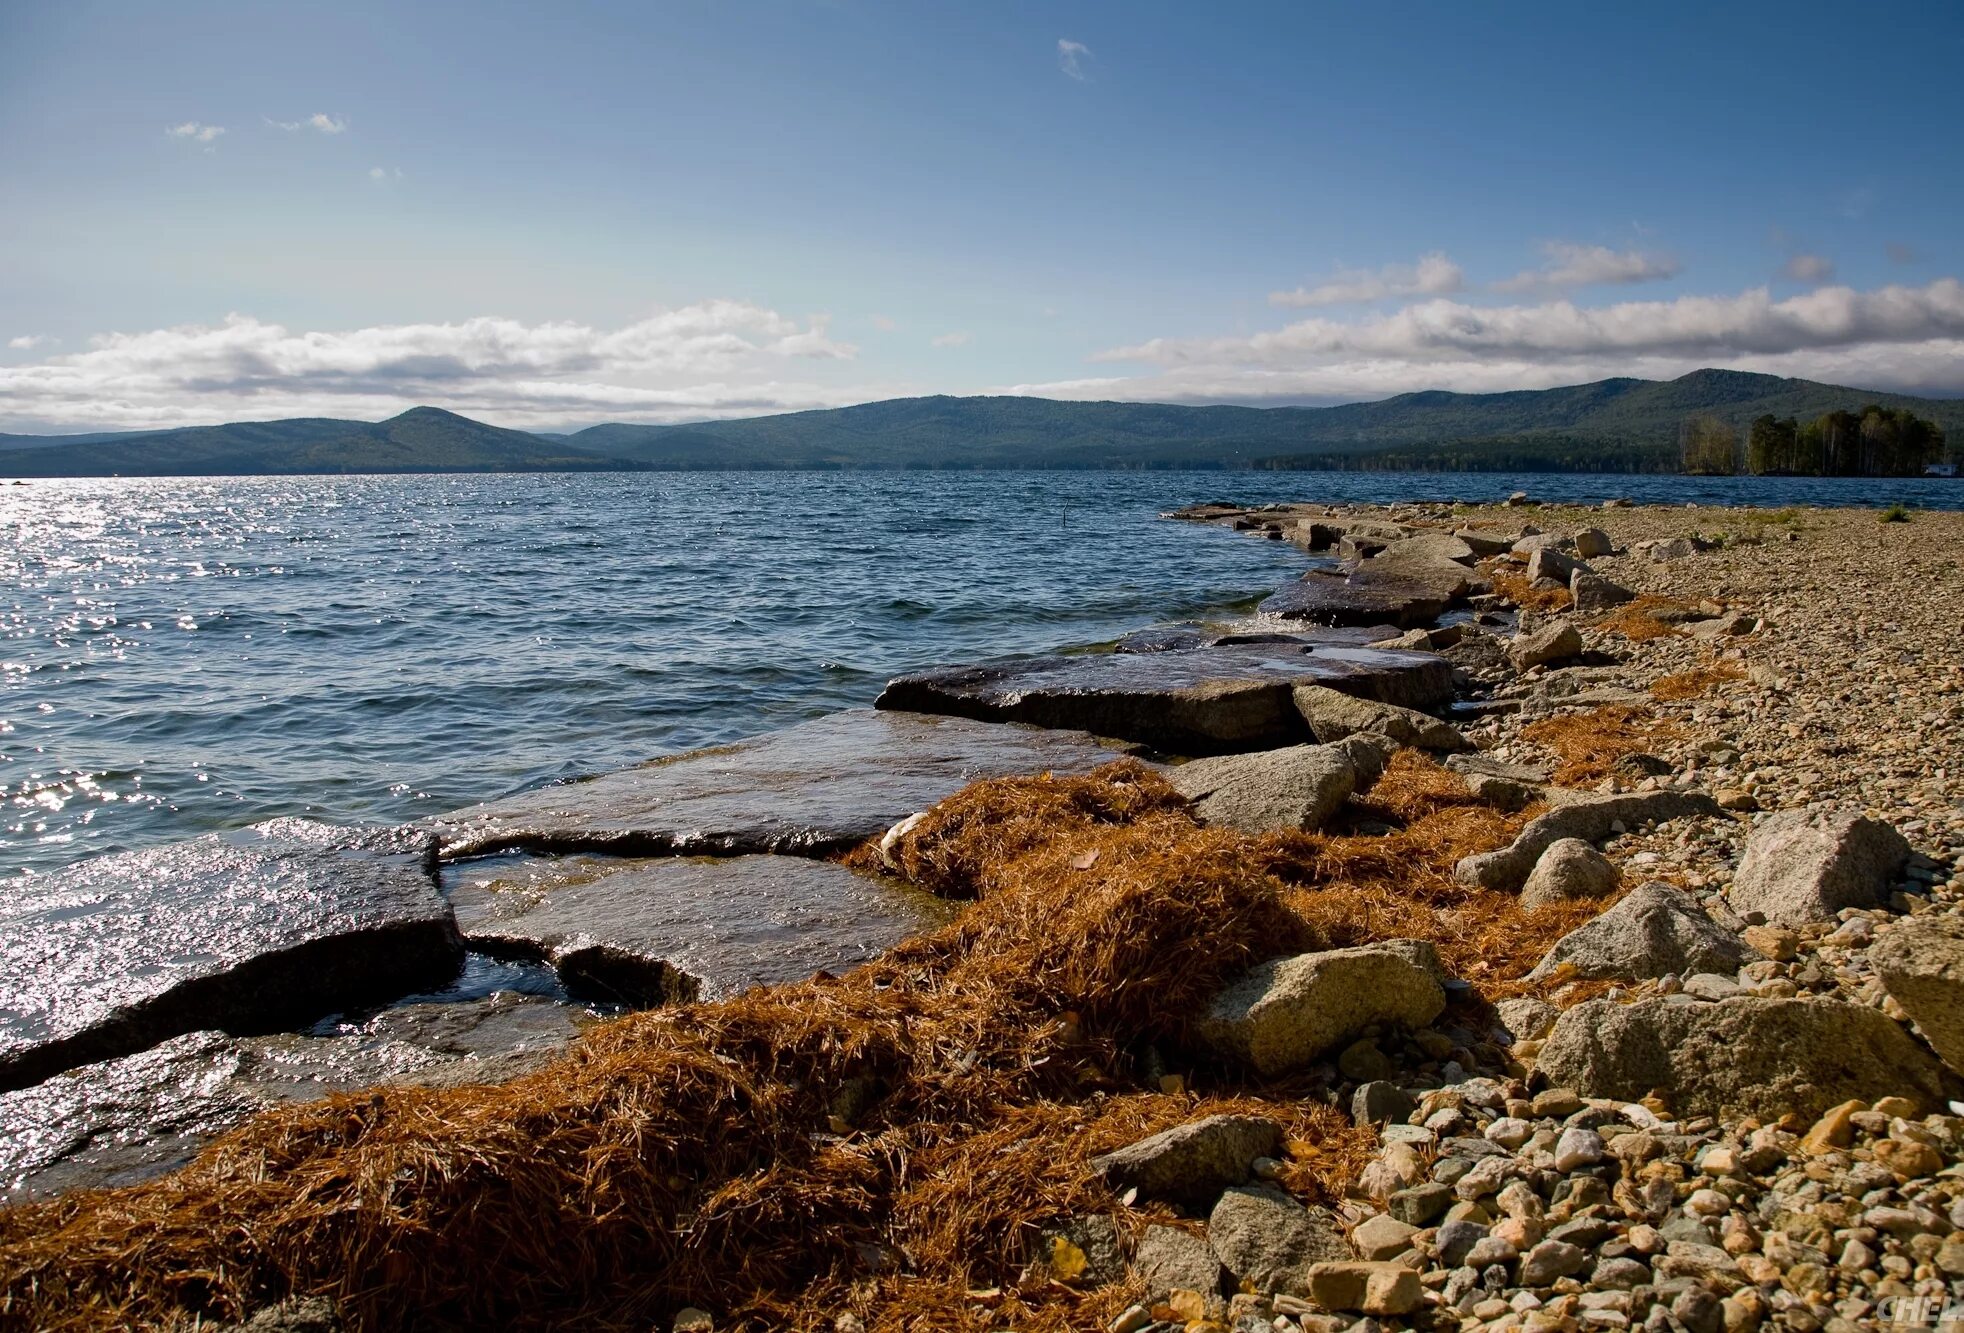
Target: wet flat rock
{"points": [[1406, 598], [1216, 699], [128, 1119], [810, 790], [675, 929], [250, 931]]}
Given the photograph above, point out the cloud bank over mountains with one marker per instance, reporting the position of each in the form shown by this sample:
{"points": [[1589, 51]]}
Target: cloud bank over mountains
{"points": [[710, 359], [1895, 337], [721, 358]]}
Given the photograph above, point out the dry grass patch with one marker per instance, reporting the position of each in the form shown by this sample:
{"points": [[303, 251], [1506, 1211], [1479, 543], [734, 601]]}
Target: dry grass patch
{"points": [[891, 1142], [1511, 583], [1588, 745], [1695, 683], [1639, 622]]}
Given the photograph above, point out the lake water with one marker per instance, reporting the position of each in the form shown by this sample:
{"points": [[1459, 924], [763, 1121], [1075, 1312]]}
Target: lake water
{"points": [[188, 654]]}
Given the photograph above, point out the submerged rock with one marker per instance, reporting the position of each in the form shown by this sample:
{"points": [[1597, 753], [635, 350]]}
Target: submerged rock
{"points": [[675, 929], [125, 1120], [1296, 787], [1200, 701], [1744, 1056], [250, 931], [814, 789], [1806, 865]]}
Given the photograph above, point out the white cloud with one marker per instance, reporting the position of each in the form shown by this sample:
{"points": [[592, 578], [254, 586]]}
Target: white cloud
{"points": [[1751, 322], [1808, 268], [1071, 57], [384, 174], [1891, 337], [956, 339], [195, 131], [1568, 266], [1432, 275], [320, 120], [26, 342], [713, 358]]}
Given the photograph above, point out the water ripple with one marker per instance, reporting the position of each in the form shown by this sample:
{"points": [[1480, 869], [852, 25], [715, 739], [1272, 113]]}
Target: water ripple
{"points": [[180, 655]]}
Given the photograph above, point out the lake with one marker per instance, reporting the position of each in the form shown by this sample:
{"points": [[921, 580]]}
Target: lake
{"points": [[182, 655]]}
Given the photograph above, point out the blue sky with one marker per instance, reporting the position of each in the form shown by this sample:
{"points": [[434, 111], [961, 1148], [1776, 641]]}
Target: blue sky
{"points": [[555, 215]]}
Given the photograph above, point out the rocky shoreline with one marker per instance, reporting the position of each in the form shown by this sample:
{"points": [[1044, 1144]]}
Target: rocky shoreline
{"points": [[1706, 768]]}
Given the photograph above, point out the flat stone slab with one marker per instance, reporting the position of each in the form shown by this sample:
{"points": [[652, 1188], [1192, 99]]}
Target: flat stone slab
{"points": [[1178, 638], [1201, 701], [251, 931], [811, 790], [676, 929], [125, 1120], [1362, 597]]}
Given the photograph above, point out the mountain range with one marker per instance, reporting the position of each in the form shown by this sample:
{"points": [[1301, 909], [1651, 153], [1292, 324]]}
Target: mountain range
{"points": [[1613, 425]]}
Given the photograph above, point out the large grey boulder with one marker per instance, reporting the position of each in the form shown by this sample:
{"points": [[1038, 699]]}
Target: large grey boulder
{"points": [[1570, 868], [1591, 818], [779, 792], [1590, 592], [1369, 755], [1287, 1012], [1550, 642], [1296, 787], [1545, 562], [1169, 1259], [1201, 701], [1806, 865], [1333, 715], [120, 1121], [1509, 786], [1921, 964], [1191, 1164], [251, 931], [1592, 542], [674, 929], [1268, 1241], [1665, 549], [1484, 544], [1657, 930], [1739, 1057]]}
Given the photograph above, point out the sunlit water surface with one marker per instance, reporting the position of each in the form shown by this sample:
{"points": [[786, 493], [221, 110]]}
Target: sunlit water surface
{"points": [[182, 655]]}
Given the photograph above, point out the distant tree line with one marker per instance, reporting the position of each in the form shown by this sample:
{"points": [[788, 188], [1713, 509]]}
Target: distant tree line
{"points": [[1875, 442], [1540, 452]]}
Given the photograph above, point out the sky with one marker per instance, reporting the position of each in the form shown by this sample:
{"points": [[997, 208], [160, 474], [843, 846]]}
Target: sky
{"points": [[547, 216]]}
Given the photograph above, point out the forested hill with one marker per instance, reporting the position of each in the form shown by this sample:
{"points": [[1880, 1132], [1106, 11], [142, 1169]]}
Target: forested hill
{"points": [[1620, 424], [1613, 425], [423, 439]]}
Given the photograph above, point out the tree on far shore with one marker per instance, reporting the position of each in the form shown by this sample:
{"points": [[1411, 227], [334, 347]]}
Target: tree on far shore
{"points": [[1876, 442], [1708, 446]]}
